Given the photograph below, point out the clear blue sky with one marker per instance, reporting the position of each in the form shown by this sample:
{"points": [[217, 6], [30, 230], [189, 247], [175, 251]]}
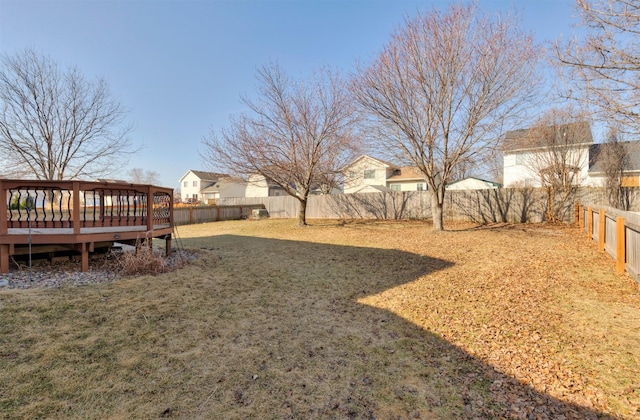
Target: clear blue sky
{"points": [[181, 66]]}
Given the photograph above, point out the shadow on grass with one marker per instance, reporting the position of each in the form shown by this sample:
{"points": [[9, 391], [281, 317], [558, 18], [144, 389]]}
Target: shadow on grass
{"points": [[332, 356], [258, 328]]}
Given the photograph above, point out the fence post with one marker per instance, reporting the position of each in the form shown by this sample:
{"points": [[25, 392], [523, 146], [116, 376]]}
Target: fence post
{"points": [[577, 214], [589, 222], [581, 222], [601, 238], [620, 245]]}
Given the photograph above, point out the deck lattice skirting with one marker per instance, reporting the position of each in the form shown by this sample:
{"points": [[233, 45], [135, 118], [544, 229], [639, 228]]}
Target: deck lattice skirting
{"points": [[80, 216]]}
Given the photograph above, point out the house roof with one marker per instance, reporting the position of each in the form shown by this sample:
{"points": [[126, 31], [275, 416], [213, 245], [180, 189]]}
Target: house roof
{"points": [[373, 188], [206, 176], [222, 183], [382, 162], [406, 173], [631, 148], [534, 138], [493, 183]]}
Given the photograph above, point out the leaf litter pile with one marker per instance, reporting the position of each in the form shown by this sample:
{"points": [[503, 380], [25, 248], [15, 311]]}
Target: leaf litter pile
{"points": [[337, 320]]}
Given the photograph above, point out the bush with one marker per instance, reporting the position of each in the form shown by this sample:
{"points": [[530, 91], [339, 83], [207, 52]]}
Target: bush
{"points": [[144, 260]]}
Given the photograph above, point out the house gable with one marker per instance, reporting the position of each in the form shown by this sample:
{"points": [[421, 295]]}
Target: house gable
{"points": [[193, 183], [473, 183], [366, 171]]}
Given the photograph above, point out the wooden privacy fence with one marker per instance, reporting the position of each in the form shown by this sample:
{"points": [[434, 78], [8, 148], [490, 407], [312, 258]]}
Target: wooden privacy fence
{"points": [[202, 214], [617, 232], [522, 205], [511, 205]]}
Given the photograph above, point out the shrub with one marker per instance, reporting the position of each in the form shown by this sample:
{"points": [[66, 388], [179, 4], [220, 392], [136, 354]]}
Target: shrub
{"points": [[144, 260]]}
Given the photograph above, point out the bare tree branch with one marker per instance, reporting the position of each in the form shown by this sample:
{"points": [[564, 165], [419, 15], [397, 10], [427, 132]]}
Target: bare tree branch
{"points": [[55, 124], [299, 135], [443, 88], [558, 145], [142, 176], [603, 69]]}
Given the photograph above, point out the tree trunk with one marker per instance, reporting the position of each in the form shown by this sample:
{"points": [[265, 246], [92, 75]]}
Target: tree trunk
{"points": [[302, 212], [436, 209]]}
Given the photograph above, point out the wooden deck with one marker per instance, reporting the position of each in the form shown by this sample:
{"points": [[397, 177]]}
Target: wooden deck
{"points": [[78, 215]]}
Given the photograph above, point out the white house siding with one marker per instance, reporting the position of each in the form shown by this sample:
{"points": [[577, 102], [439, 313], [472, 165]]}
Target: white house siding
{"points": [[232, 189], [190, 187], [354, 175], [408, 185], [520, 168], [224, 189], [257, 187]]}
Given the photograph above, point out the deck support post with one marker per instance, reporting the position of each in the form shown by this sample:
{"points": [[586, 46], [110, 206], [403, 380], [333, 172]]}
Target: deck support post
{"points": [[167, 242], [84, 264], [4, 258]]}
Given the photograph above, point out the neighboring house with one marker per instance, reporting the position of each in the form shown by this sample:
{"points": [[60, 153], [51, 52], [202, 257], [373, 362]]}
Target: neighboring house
{"points": [[260, 186], [631, 177], [406, 178], [472, 183], [193, 183], [525, 154], [369, 174], [224, 188]]}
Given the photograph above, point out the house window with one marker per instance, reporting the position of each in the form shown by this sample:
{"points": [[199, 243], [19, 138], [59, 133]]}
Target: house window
{"points": [[369, 174], [195, 197], [420, 187], [395, 187], [185, 184], [351, 175], [520, 159], [195, 183]]}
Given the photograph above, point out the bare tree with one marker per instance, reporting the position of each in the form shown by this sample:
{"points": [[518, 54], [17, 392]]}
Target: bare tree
{"points": [[299, 134], [142, 176], [54, 124], [614, 160], [443, 88], [604, 68], [557, 152]]}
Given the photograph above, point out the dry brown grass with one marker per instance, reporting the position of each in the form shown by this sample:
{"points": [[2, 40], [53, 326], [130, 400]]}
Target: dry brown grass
{"points": [[141, 261], [351, 320]]}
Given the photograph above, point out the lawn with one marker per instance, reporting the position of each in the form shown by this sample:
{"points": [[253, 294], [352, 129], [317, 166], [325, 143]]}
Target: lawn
{"points": [[336, 320]]}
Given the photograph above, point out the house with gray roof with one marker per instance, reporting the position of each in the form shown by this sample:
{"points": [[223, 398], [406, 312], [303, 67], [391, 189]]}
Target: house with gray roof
{"points": [[193, 183], [526, 150], [597, 165], [523, 148]]}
